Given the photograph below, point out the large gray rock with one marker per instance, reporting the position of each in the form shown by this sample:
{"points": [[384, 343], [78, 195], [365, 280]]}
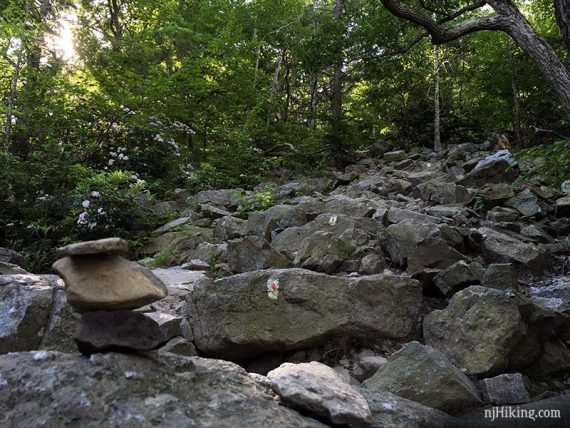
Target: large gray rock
{"points": [[317, 389], [443, 192], [352, 232], [230, 227], [526, 203], [278, 310], [121, 390], [254, 253], [497, 168], [101, 246], [11, 256], [227, 198], [479, 329], [25, 306], [421, 373], [500, 247], [266, 224], [102, 282]]}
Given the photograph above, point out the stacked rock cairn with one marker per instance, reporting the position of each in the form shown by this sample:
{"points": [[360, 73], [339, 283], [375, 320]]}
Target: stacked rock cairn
{"points": [[105, 288]]}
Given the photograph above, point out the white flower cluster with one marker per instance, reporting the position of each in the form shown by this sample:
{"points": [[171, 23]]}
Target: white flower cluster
{"points": [[182, 127], [127, 110], [170, 141], [138, 180], [89, 219], [118, 155]]}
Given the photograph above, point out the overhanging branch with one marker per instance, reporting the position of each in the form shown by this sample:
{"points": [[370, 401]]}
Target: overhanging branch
{"points": [[438, 32]]}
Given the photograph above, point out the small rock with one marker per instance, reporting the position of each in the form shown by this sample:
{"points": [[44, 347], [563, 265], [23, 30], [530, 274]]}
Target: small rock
{"points": [[170, 325], [180, 346], [500, 276], [395, 156], [101, 246], [104, 282], [372, 264], [102, 331], [317, 389], [505, 389]]}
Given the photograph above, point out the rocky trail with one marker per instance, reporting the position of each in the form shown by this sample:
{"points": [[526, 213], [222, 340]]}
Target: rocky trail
{"points": [[411, 290]]}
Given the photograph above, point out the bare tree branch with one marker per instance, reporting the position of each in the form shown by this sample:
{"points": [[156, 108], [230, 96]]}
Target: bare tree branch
{"points": [[442, 34]]}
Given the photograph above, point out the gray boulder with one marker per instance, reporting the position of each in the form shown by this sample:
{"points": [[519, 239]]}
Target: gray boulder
{"points": [[317, 389], [149, 389], [442, 192], [526, 203], [229, 227], [459, 275], [254, 253], [25, 307], [266, 224], [479, 329], [500, 247], [279, 310], [421, 373], [226, 198], [11, 256], [497, 168]]}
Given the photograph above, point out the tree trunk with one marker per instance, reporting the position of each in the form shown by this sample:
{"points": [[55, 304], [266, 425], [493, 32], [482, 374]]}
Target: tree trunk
{"points": [[562, 9], [437, 111], [336, 84], [11, 101], [515, 92], [538, 49], [336, 144], [314, 75]]}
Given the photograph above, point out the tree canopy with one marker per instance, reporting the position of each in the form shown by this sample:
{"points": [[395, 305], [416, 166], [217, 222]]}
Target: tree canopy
{"points": [[143, 97]]}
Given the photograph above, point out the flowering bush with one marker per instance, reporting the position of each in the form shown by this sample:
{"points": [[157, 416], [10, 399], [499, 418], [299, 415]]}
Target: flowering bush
{"points": [[109, 204]]}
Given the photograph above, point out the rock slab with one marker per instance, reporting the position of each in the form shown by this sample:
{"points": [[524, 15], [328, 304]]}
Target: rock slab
{"points": [[53, 389], [317, 389], [100, 246], [108, 282], [283, 309]]}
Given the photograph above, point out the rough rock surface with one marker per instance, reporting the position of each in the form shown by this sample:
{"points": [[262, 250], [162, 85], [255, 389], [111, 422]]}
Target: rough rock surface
{"points": [[479, 329], [421, 373], [120, 390], [502, 247], [242, 316], [101, 331], [25, 306], [254, 253], [317, 389], [507, 388], [101, 246], [105, 282]]}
